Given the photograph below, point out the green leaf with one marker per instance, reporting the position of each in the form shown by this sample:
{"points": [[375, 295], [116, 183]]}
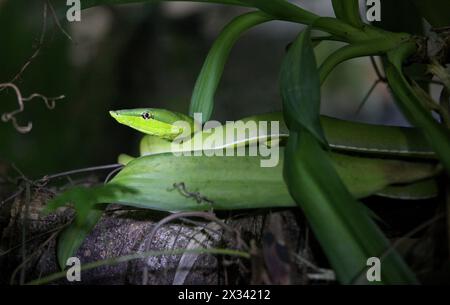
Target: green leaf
{"points": [[84, 200], [413, 108], [436, 12], [348, 11], [230, 183], [300, 87], [202, 100], [344, 229], [72, 237], [341, 224], [226, 183]]}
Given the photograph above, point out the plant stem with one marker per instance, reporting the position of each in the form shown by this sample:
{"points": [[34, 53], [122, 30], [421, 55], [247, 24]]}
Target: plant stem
{"points": [[126, 258]]}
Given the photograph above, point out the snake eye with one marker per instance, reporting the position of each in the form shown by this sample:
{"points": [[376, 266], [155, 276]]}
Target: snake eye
{"points": [[147, 116]]}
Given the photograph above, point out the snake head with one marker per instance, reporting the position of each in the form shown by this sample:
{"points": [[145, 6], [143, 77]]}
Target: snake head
{"points": [[156, 122]]}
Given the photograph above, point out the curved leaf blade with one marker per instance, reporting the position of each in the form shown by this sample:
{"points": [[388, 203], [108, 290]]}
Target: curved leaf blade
{"points": [[232, 183], [344, 229], [227, 182], [300, 87], [336, 218], [202, 100]]}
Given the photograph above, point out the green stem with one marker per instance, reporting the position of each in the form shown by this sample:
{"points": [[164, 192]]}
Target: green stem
{"points": [[283, 10], [367, 48], [126, 258], [413, 107], [278, 9], [343, 30]]}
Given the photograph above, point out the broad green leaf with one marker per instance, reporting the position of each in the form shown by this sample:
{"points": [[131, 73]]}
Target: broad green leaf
{"points": [[436, 12], [229, 183], [202, 100], [226, 183], [300, 87], [344, 229], [413, 108], [348, 11]]}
